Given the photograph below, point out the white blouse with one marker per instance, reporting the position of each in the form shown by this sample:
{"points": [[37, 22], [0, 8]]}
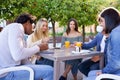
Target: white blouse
{"points": [[102, 45]]}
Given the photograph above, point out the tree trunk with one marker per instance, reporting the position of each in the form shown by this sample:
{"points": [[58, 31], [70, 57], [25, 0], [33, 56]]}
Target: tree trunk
{"points": [[53, 28], [83, 30]]}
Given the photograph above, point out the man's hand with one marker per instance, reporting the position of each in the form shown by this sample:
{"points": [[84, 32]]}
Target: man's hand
{"points": [[43, 46]]}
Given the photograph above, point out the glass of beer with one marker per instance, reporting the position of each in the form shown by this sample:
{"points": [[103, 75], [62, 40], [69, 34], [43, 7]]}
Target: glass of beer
{"points": [[67, 44]]}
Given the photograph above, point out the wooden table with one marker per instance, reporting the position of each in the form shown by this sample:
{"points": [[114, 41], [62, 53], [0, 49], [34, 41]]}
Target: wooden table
{"points": [[58, 55]]}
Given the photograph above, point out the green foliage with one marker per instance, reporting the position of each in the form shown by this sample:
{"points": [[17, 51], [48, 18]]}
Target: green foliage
{"points": [[45, 8], [11, 8], [116, 4], [85, 11], [57, 34]]}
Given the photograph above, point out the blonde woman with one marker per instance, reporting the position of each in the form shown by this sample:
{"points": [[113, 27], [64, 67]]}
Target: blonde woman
{"points": [[40, 35]]}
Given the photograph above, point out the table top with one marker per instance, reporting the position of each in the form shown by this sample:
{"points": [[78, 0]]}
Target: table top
{"points": [[66, 54]]}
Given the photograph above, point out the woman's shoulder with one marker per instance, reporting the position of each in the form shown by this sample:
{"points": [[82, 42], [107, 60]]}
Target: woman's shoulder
{"points": [[78, 34]]}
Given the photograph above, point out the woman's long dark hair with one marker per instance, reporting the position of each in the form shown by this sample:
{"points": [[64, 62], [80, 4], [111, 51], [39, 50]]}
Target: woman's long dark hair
{"points": [[112, 18], [68, 25]]}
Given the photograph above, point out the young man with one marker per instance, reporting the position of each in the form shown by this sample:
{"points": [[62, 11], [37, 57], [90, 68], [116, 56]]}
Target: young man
{"points": [[13, 51]]}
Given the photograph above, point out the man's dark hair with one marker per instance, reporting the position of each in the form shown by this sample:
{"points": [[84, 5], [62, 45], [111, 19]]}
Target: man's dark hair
{"points": [[112, 19], [23, 18]]}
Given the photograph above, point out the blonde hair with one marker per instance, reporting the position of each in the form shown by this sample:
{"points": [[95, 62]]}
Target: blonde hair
{"points": [[38, 33]]}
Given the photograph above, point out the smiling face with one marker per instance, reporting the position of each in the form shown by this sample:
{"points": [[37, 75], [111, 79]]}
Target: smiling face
{"points": [[72, 25], [44, 26]]}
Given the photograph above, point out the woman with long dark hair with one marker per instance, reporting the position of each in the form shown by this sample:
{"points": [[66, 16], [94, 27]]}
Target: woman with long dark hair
{"points": [[110, 21], [72, 35]]}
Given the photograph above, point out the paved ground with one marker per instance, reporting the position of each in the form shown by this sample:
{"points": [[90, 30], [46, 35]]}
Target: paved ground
{"points": [[70, 77]]}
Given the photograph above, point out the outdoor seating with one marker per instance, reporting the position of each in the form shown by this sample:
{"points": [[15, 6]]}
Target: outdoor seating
{"points": [[108, 76], [18, 68]]}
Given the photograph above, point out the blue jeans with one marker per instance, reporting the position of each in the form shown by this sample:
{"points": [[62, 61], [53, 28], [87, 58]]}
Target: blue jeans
{"points": [[92, 75], [45, 61], [74, 63], [41, 72]]}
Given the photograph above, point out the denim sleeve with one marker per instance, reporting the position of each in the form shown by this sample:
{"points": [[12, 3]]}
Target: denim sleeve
{"points": [[91, 44], [113, 54]]}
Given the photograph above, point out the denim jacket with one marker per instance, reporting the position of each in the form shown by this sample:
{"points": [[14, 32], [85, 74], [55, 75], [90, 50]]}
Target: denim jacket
{"points": [[113, 52], [95, 42]]}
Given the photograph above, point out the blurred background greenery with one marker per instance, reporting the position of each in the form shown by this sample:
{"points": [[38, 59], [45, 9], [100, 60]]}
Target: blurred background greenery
{"points": [[58, 12]]}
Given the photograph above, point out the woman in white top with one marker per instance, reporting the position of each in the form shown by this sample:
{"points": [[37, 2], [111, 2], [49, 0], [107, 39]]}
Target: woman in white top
{"points": [[40, 35]]}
